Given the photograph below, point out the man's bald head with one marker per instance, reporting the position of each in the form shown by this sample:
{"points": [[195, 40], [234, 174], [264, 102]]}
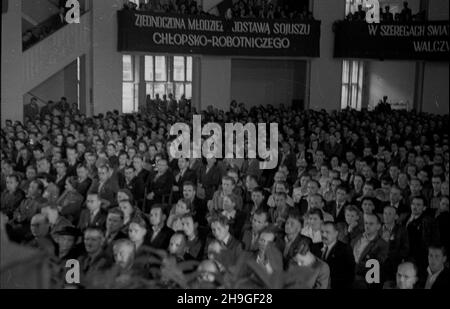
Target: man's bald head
{"points": [[406, 276], [39, 225]]}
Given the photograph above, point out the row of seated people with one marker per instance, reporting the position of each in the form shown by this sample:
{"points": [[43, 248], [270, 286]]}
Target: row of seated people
{"points": [[330, 185], [404, 16], [232, 9]]}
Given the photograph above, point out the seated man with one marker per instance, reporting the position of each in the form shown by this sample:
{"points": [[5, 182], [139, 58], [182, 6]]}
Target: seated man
{"points": [[338, 256], [228, 188], [159, 234], [307, 271], [438, 274], [292, 235], [56, 221], [260, 220], [369, 246], [406, 278], [194, 241], [220, 227], [94, 214], [95, 259], [40, 228], [27, 209], [178, 247]]}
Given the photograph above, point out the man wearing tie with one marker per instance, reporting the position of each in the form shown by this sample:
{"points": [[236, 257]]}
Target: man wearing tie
{"points": [[422, 232], [338, 256], [251, 236], [94, 214]]}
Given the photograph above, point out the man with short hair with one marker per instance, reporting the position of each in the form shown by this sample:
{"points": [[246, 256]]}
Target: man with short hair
{"points": [[135, 185], [194, 241], [40, 228], [422, 232], [438, 274], [95, 259], [12, 196], [56, 221], [397, 237], [106, 187], [292, 236], [337, 207], [406, 277], [177, 247], [182, 175], [338, 256], [94, 214], [198, 205], [369, 246], [260, 220], [220, 228], [227, 188], [160, 233], [159, 185]]}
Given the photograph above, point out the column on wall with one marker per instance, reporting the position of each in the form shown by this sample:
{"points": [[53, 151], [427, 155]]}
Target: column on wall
{"points": [[11, 85], [326, 71], [215, 82]]}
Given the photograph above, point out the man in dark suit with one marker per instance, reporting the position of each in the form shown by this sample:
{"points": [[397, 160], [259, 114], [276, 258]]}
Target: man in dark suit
{"points": [[183, 174], [251, 236], [141, 173], [220, 228], [339, 258], [292, 236], [288, 158], [94, 214], [422, 232], [95, 259], [397, 238], [159, 185], [135, 184], [337, 208], [369, 246], [106, 186], [160, 234], [194, 241], [198, 205], [396, 200], [438, 274], [61, 175]]}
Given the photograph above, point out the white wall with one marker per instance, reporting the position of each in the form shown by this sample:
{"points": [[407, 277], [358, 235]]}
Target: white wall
{"points": [[215, 77], [11, 72], [62, 84], [256, 82], [326, 72], [107, 62], [392, 78]]}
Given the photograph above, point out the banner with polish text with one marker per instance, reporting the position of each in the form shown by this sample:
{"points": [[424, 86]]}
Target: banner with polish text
{"points": [[401, 41], [210, 35]]}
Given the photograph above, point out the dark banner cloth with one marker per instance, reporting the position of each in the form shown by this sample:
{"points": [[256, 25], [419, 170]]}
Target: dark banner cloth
{"points": [[403, 41], [209, 35]]}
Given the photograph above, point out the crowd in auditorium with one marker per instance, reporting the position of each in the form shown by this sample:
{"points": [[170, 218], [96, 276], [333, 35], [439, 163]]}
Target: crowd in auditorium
{"points": [[349, 187], [266, 9], [404, 16]]}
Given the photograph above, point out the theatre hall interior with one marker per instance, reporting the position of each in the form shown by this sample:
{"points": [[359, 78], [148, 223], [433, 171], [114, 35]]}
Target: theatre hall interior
{"points": [[225, 144]]}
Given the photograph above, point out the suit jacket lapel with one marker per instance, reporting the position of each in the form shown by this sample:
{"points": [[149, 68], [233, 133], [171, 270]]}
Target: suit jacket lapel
{"points": [[368, 248]]}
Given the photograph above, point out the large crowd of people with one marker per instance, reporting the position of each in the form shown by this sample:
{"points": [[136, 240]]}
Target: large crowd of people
{"points": [[404, 16], [37, 33], [265, 9], [350, 187]]}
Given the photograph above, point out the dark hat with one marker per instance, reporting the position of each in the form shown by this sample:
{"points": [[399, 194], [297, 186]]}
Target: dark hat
{"points": [[69, 230]]}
